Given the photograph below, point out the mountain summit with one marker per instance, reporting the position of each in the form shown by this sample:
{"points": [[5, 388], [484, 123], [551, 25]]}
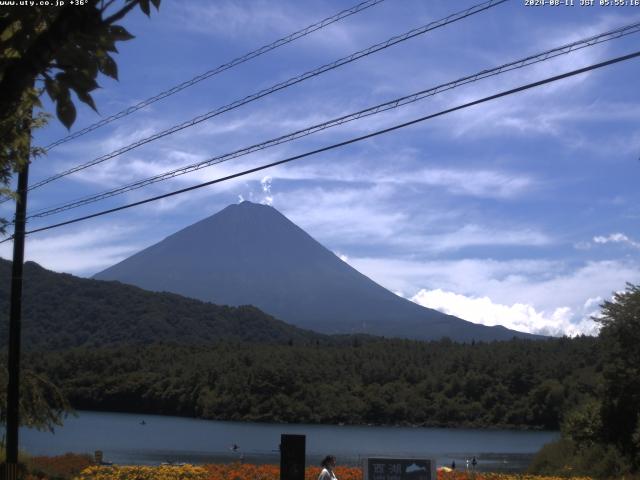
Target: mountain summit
{"points": [[251, 254]]}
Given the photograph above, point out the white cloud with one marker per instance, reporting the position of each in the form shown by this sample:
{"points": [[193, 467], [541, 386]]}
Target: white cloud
{"points": [[546, 295], [235, 19], [616, 238], [82, 252], [470, 182], [472, 235], [342, 257], [365, 180], [474, 183], [344, 214], [374, 213], [584, 246], [267, 199], [554, 110], [518, 316], [406, 172], [264, 20]]}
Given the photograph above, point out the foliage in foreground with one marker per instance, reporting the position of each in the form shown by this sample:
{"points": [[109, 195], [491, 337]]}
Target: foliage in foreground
{"points": [[620, 337], [65, 47], [42, 404], [60, 50], [568, 459], [601, 436]]}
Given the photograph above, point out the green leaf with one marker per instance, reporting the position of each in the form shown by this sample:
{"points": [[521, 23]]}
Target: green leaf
{"points": [[85, 97], [65, 110], [78, 80], [52, 87], [10, 31], [108, 66], [9, 53], [108, 41], [78, 57], [63, 81], [119, 34], [144, 6], [91, 70]]}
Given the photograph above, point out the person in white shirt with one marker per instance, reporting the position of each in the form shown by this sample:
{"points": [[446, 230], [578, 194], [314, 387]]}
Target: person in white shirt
{"points": [[328, 464]]}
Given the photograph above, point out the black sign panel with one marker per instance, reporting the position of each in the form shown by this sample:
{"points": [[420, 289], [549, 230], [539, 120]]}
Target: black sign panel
{"points": [[400, 469], [292, 453]]}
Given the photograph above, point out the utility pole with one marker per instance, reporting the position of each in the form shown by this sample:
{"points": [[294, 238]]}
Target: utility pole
{"points": [[15, 318]]}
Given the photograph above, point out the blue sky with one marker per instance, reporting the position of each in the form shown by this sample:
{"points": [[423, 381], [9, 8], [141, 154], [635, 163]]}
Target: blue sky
{"points": [[523, 211]]}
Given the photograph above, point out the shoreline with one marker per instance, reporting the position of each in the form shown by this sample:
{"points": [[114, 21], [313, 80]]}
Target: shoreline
{"points": [[453, 426]]}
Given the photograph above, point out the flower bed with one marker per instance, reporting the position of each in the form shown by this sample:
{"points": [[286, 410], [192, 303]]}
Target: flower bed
{"points": [[237, 471], [163, 472]]}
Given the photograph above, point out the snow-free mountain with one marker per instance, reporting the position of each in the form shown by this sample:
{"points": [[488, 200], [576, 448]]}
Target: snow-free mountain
{"points": [[251, 254]]}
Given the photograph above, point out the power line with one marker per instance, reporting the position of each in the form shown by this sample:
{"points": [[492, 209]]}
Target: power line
{"points": [[221, 68], [530, 60], [344, 143], [279, 86]]}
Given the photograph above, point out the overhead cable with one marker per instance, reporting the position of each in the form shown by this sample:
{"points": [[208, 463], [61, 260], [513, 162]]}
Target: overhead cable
{"points": [[279, 86], [344, 143], [221, 68], [523, 62]]}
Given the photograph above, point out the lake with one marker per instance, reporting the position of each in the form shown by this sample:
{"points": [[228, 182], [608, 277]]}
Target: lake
{"points": [[152, 439]]}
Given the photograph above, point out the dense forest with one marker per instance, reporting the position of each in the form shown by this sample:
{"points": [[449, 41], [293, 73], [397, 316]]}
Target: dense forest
{"points": [[372, 381]]}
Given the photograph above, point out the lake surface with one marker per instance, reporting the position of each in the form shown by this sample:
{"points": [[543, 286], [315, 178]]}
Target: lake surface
{"points": [[152, 439]]}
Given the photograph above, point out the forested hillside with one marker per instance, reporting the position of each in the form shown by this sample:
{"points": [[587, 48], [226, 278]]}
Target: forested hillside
{"points": [[63, 311], [502, 384]]}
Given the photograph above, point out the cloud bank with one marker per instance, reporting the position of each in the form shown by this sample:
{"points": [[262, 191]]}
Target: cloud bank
{"points": [[518, 316]]}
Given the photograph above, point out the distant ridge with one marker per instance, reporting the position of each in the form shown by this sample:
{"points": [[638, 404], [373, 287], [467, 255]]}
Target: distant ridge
{"points": [[252, 254]]}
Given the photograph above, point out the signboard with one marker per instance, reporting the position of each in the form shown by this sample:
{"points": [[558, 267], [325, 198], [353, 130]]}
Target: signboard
{"points": [[400, 469], [292, 453]]}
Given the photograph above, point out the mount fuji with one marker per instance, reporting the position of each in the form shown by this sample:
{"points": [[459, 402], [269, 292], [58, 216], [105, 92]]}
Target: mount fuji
{"points": [[251, 254]]}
